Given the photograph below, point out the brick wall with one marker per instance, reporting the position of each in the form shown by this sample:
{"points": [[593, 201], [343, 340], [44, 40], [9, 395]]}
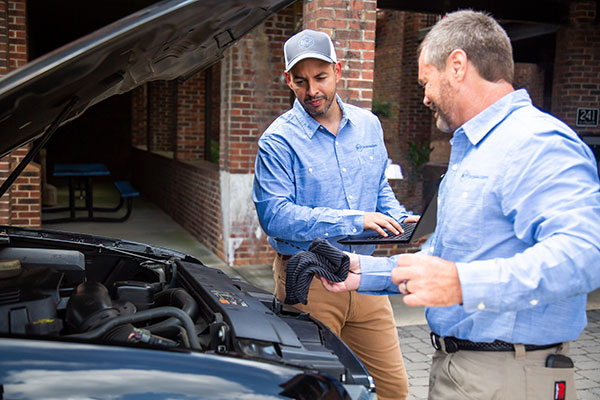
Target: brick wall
{"points": [[398, 102], [254, 90], [13, 35], [254, 93], [351, 25], [188, 191], [387, 84], [576, 67], [5, 200], [191, 105], [531, 77], [139, 117], [21, 205], [162, 119]]}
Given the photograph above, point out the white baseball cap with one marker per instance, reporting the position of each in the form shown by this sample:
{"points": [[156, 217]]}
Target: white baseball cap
{"points": [[308, 44]]}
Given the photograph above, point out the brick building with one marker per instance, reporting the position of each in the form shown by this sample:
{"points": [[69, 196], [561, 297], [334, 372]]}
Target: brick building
{"points": [[21, 205], [193, 142]]}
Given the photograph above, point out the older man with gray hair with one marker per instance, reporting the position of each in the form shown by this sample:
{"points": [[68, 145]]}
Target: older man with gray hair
{"points": [[517, 245]]}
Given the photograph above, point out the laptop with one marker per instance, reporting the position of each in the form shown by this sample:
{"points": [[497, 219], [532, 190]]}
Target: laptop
{"points": [[416, 230]]}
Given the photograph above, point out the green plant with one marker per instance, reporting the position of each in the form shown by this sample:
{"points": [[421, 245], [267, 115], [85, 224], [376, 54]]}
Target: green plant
{"points": [[418, 155], [381, 108], [213, 154]]}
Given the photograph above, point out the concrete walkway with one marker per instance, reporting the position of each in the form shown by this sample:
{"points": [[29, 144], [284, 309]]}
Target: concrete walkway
{"points": [[148, 224]]}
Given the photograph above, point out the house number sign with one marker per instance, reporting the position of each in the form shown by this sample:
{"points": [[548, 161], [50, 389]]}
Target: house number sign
{"points": [[587, 117]]}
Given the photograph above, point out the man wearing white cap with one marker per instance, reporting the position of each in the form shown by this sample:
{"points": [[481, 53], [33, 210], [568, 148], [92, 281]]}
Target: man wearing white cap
{"points": [[320, 173]]}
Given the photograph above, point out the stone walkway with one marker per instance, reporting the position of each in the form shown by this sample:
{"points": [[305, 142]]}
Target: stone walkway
{"points": [[585, 351]]}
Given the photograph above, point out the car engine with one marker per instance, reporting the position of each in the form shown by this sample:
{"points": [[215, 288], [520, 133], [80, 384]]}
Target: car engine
{"points": [[108, 295]]}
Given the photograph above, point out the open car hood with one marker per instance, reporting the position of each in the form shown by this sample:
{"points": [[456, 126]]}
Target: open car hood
{"points": [[170, 39]]}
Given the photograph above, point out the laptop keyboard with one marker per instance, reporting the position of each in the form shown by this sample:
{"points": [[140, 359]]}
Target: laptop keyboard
{"points": [[408, 228]]}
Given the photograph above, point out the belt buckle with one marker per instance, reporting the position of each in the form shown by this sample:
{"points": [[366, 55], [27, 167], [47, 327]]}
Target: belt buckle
{"points": [[434, 341], [447, 345]]}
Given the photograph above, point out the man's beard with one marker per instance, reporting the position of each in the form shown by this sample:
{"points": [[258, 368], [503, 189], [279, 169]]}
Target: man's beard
{"points": [[443, 121], [314, 113]]}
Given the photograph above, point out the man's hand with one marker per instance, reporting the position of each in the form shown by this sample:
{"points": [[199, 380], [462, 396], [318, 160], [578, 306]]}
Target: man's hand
{"points": [[351, 282], [378, 222], [431, 281], [412, 218]]}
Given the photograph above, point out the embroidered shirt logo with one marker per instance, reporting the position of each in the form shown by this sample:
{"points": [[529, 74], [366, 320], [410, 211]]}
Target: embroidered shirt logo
{"points": [[360, 147], [467, 175]]}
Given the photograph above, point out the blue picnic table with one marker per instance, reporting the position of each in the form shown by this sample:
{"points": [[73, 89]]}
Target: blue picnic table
{"points": [[75, 172]]}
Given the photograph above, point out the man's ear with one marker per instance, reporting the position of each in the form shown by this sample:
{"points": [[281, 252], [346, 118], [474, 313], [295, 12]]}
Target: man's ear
{"points": [[288, 79], [457, 63], [337, 68]]}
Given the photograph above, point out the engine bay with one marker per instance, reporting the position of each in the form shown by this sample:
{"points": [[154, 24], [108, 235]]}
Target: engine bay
{"points": [[47, 292], [100, 295]]}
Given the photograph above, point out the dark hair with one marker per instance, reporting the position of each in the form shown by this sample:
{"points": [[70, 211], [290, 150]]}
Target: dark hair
{"points": [[476, 33]]}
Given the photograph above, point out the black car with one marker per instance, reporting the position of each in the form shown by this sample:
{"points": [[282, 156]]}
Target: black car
{"points": [[89, 317]]}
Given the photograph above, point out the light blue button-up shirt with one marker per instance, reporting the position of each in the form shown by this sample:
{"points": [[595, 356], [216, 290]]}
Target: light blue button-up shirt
{"points": [[310, 183], [519, 214]]}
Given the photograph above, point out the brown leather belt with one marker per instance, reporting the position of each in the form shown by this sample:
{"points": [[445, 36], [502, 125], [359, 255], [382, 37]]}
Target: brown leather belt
{"points": [[284, 257]]}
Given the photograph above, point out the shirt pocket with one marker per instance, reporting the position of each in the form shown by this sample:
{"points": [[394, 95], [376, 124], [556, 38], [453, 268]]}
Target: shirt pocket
{"points": [[371, 169], [315, 186], [465, 215]]}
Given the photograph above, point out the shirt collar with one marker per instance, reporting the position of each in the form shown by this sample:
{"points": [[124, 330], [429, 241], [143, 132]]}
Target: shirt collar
{"points": [[309, 124], [479, 126]]}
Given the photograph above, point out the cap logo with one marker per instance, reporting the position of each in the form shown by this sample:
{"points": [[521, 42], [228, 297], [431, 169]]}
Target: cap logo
{"points": [[306, 42]]}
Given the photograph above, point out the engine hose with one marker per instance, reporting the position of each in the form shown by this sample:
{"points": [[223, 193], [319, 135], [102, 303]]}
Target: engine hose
{"points": [[173, 274], [140, 316], [179, 298], [128, 333]]}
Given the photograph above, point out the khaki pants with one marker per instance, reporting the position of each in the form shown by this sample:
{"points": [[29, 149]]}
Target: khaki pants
{"points": [[364, 322], [469, 375]]}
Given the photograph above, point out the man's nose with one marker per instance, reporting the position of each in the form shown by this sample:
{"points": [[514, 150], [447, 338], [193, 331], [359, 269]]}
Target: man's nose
{"points": [[312, 89], [426, 101]]}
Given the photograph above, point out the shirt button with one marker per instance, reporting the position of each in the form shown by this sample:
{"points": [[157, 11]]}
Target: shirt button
{"points": [[431, 249], [310, 170], [343, 169], [533, 302], [326, 234], [371, 157], [481, 306], [337, 144], [354, 230], [350, 197], [465, 195], [454, 167]]}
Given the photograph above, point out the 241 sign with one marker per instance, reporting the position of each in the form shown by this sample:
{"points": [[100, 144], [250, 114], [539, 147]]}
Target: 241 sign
{"points": [[587, 117]]}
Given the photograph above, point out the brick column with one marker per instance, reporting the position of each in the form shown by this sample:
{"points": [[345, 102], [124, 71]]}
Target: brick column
{"points": [[191, 106], [398, 97], [21, 205], [351, 24], [162, 109], [576, 68], [139, 117], [253, 94]]}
